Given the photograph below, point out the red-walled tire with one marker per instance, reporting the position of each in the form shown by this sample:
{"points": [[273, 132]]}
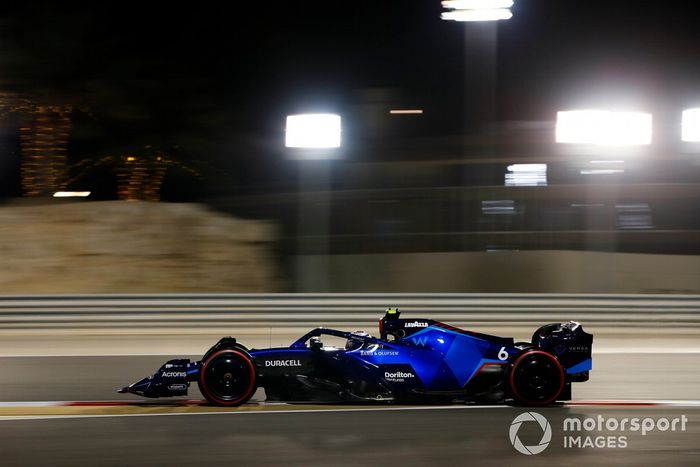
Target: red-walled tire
{"points": [[536, 378], [227, 377]]}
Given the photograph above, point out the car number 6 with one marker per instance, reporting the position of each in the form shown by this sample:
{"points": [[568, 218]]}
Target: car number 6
{"points": [[503, 354]]}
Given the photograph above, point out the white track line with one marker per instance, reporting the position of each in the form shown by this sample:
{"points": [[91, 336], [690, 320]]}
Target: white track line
{"points": [[34, 404]]}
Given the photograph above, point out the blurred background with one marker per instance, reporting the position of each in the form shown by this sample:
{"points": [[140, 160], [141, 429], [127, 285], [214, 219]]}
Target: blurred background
{"points": [[173, 173], [142, 148]]}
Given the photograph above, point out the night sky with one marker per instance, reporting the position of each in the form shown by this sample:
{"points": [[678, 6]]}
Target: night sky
{"points": [[216, 79]]}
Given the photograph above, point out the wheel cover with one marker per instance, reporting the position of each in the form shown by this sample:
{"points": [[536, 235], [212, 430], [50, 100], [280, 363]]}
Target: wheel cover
{"points": [[537, 378], [227, 377]]}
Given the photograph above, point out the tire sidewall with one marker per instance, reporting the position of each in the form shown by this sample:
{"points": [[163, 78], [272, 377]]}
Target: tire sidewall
{"points": [[513, 387], [208, 395]]}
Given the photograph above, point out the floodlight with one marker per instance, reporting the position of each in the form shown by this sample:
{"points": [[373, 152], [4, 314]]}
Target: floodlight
{"points": [[603, 128], [477, 15], [690, 125], [71, 194], [406, 111], [476, 4], [313, 131]]}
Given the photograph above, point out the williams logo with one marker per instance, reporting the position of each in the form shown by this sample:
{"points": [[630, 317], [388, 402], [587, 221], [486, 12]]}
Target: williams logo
{"points": [[546, 433], [282, 363], [421, 341], [416, 324]]}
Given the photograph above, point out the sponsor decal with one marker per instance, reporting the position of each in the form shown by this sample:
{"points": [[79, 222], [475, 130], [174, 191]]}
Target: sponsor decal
{"points": [[380, 352], [421, 341], [282, 363], [177, 387], [416, 324], [174, 374], [398, 376]]}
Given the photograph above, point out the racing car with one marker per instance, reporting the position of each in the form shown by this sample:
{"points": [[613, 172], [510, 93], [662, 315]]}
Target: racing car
{"points": [[413, 361]]}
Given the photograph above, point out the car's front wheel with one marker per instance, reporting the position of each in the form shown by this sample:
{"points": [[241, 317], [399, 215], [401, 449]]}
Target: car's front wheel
{"points": [[536, 378], [227, 377]]}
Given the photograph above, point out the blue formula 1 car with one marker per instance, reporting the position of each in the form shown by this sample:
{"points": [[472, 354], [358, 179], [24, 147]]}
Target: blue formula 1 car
{"points": [[414, 360]]}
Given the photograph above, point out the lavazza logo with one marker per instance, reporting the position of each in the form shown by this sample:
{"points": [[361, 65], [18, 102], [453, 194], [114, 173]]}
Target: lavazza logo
{"points": [[417, 324], [592, 432]]}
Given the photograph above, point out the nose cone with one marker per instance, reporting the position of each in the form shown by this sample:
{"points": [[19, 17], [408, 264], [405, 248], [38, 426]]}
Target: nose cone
{"points": [[139, 388]]}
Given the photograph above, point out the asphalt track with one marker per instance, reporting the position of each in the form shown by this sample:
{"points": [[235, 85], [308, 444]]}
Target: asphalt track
{"points": [[131, 431], [426, 436]]}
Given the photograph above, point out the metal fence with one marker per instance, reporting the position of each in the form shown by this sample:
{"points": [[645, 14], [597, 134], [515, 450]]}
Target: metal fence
{"points": [[185, 311]]}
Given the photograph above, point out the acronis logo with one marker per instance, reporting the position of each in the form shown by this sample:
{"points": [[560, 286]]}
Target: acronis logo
{"points": [[174, 374]]}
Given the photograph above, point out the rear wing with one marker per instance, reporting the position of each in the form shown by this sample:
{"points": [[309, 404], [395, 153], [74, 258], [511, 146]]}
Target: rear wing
{"points": [[571, 345]]}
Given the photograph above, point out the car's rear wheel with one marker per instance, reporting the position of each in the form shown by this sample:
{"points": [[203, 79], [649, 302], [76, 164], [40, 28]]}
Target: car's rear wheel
{"points": [[227, 377], [536, 378]]}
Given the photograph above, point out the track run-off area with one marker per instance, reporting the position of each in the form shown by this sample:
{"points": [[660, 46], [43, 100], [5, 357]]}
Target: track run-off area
{"points": [[187, 432]]}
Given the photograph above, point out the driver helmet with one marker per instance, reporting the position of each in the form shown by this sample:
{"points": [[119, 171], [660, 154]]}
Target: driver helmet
{"points": [[356, 340]]}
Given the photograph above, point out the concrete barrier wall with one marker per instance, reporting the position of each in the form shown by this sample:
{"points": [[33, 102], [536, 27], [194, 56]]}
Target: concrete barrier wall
{"points": [[510, 272]]}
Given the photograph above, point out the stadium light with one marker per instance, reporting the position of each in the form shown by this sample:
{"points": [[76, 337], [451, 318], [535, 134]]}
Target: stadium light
{"points": [[477, 10], [313, 139], [406, 111], [71, 194], [313, 131], [690, 126], [477, 15], [603, 128], [476, 4]]}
